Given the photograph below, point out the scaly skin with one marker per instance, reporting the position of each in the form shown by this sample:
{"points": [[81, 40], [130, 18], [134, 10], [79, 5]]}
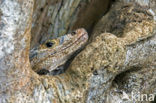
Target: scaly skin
{"points": [[54, 53]]}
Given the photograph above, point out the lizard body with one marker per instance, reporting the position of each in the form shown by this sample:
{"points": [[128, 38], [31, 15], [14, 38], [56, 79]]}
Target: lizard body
{"points": [[55, 52]]}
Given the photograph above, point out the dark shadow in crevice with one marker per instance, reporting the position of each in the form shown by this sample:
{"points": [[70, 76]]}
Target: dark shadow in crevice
{"points": [[121, 79]]}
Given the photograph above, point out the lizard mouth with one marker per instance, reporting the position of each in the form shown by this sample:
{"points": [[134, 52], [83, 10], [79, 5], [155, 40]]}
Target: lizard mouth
{"points": [[81, 38]]}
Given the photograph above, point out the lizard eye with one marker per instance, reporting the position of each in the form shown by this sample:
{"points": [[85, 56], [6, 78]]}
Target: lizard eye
{"points": [[73, 33], [49, 44]]}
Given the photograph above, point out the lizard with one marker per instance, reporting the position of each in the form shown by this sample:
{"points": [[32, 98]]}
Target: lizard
{"points": [[54, 53]]}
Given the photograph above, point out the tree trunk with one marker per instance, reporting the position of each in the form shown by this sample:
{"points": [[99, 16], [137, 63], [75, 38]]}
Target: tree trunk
{"points": [[15, 27], [96, 72]]}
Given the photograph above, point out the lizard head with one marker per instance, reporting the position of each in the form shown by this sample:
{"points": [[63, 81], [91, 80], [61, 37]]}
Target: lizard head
{"points": [[79, 35], [55, 52]]}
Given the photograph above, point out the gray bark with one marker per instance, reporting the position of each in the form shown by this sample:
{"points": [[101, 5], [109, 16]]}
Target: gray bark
{"points": [[18, 83], [15, 27]]}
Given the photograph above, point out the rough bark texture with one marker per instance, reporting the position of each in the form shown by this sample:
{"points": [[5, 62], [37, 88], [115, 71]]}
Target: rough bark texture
{"points": [[94, 76], [15, 27], [140, 78]]}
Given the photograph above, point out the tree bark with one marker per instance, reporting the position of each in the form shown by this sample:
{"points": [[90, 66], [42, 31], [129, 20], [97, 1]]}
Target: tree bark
{"points": [[15, 27], [91, 75]]}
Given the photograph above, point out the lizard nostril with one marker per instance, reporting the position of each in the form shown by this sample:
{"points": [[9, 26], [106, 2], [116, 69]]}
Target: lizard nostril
{"points": [[73, 33], [49, 44]]}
